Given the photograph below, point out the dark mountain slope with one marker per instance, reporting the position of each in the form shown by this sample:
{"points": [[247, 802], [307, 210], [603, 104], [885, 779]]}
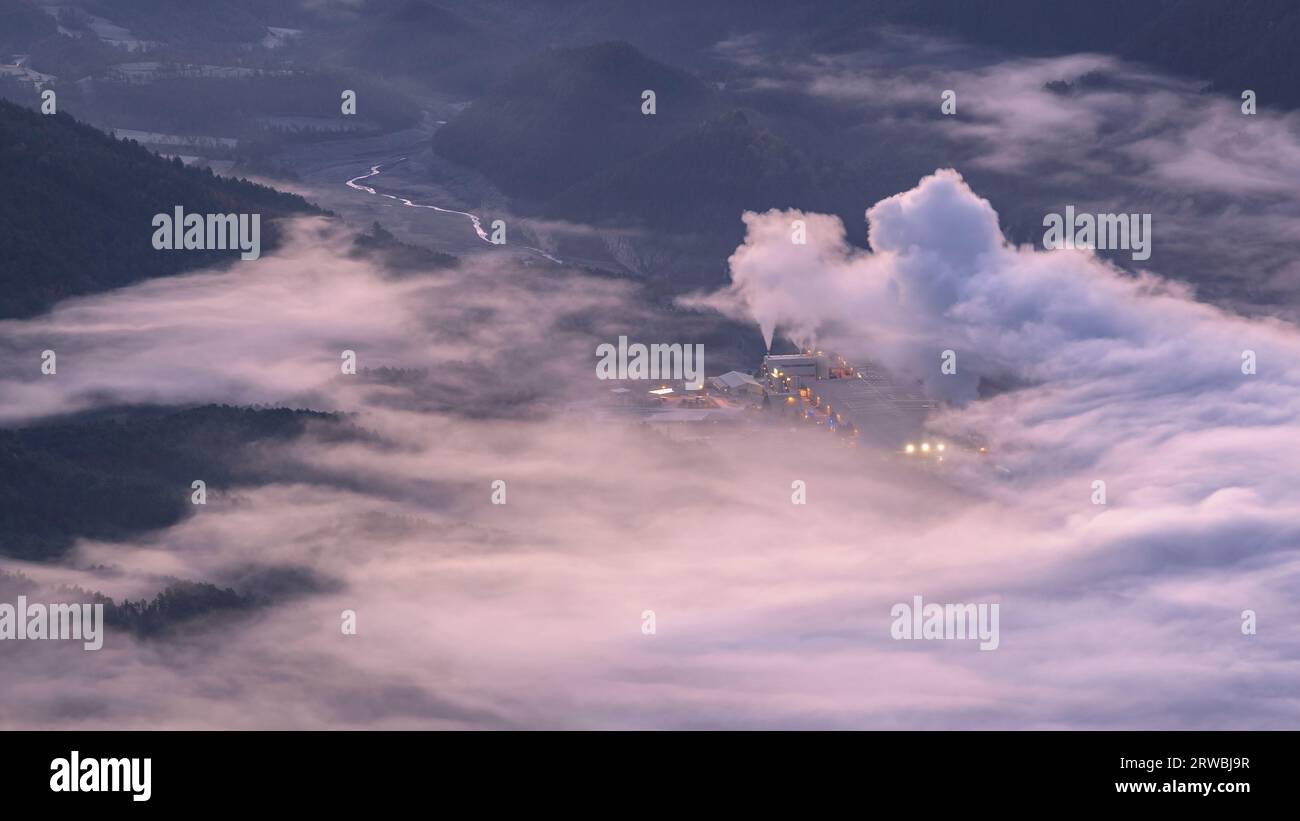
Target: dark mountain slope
{"points": [[570, 114], [701, 181], [78, 205]]}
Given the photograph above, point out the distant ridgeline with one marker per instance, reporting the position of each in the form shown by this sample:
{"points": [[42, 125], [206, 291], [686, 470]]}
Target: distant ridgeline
{"points": [[78, 205]]}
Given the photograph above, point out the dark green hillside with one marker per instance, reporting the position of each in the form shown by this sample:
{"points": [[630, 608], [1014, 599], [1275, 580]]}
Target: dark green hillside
{"points": [[76, 215]]}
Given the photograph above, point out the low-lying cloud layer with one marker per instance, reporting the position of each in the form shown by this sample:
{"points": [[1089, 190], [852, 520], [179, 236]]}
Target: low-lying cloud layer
{"points": [[768, 614]]}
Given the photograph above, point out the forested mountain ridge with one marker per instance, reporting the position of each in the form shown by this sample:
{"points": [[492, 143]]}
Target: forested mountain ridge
{"points": [[77, 214]]}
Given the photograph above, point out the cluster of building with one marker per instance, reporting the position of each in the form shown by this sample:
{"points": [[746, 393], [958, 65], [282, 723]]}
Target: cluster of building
{"points": [[864, 403], [861, 402]]}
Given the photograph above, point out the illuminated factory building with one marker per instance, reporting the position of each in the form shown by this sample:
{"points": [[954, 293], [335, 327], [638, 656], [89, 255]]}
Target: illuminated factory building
{"points": [[861, 401]]}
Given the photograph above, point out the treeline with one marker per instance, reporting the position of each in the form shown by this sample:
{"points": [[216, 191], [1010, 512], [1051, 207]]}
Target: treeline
{"points": [[178, 602], [380, 245]]}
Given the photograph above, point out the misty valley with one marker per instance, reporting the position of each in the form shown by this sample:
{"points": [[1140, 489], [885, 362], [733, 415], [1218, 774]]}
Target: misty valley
{"points": [[435, 365]]}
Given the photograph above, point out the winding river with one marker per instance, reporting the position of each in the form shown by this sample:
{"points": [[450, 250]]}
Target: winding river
{"points": [[355, 183]]}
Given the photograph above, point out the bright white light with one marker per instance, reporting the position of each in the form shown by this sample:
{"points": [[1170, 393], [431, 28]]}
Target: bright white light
{"points": [[925, 447], [910, 448]]}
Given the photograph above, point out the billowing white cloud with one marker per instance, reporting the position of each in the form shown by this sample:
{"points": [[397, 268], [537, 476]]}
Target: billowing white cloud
{"points": [[940, 276]]}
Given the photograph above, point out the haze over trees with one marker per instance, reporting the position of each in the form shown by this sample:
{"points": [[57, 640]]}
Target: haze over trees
{"points": [[121, 473]]}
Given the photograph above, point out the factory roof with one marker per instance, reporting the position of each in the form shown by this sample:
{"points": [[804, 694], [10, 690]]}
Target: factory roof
{"points": [[882, 408], [734, 379]]}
